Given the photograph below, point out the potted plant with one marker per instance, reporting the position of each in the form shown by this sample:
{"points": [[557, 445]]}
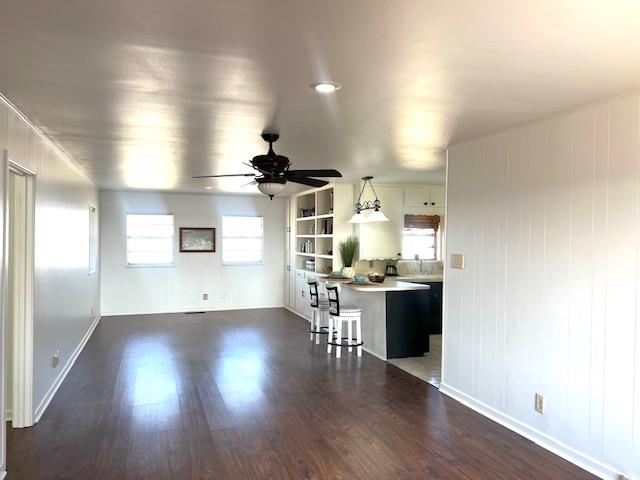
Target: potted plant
{"points": [[348, 250]]}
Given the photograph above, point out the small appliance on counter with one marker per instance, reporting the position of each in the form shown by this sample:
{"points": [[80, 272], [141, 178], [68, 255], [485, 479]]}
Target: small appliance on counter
{"points": [[391, 271]]}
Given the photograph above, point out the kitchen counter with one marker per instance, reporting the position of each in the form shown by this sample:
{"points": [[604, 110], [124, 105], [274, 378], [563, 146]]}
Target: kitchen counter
{"points": [[420, 277], [389, 285]]}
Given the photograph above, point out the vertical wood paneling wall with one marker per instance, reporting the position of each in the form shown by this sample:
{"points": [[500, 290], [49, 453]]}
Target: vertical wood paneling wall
{"points": [[547, 216], [66, 296]]}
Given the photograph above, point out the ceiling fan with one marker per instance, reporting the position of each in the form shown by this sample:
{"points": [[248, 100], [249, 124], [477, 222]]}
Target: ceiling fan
{"points": [[273, 171]]}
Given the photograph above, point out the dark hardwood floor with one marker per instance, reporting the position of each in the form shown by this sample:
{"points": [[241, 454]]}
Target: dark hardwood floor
{"points": [[243, 395]]}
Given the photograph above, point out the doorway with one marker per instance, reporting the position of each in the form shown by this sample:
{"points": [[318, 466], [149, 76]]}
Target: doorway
{"points": [[18, 314]]}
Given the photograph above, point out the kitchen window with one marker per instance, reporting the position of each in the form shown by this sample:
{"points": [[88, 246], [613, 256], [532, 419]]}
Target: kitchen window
{"points": [[420, 237], [150, 240], [242, 240]]}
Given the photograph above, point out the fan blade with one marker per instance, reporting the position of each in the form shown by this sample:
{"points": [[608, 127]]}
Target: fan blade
{"points": [[312, 182], [312, 173], [252, 182], [230, 175]]}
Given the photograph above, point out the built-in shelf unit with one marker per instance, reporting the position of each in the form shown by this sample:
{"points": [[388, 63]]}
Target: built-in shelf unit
{"points": [[320, 222]]}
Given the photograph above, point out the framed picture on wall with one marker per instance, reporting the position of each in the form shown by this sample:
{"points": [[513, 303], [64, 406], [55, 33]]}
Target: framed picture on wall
{"points": [[195, 239]]}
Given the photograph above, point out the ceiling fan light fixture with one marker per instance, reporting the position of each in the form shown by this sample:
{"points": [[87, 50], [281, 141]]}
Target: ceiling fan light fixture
{"points": [[271, 188], [326, 87]]}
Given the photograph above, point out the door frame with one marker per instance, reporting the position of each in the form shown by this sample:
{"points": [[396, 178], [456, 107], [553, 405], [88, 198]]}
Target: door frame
{"points": [[23, 331]]}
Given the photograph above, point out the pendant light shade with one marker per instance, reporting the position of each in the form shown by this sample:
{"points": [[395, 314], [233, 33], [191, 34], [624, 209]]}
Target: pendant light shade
{"points": [[377, 216], [358, 217]]}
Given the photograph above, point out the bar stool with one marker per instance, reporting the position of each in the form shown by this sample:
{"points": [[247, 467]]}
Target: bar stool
{"points": [[339, 315], [319, 309]]}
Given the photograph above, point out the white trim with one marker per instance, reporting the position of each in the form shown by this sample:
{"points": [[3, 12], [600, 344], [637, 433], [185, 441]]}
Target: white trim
{"points": [[545, 441], [37, 415], [23, 323], [3, 474], [189, 310]]}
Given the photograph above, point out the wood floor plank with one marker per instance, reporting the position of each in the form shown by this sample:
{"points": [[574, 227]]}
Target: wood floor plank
{"points": [[243, 395]]}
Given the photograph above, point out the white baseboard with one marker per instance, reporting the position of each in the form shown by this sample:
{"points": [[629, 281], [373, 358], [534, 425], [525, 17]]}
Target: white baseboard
{"points": [[37, 415], [296, 312], [189, 310], [3, 474], [545, 441]]}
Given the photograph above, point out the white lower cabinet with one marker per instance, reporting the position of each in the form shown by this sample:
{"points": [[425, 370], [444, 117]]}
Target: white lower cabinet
{"points": [[302, 294]]}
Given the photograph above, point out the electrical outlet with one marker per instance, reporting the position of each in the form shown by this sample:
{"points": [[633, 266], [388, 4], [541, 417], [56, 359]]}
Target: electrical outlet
{"points": [[205, 296], [539, 403], [55, 359], [457, 260], [370, 263]]}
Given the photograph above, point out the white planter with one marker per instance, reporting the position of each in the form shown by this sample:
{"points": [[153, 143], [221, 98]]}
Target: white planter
{"points": [[348, 272]]}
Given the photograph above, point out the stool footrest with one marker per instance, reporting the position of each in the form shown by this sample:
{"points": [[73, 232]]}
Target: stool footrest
{"points": [[345, 344], [322, 331]]}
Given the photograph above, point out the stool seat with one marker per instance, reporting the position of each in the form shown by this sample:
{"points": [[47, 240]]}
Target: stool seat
{"points": [[345, 311]]}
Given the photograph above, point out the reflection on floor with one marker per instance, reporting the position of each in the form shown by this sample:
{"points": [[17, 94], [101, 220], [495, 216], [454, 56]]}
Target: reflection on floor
{"points": [[427, 367]]}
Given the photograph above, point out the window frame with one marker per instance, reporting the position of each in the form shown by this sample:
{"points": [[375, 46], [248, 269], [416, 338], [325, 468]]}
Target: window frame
{"points": [[436, 243], [94, 240], [222, 238], [150, 265]]}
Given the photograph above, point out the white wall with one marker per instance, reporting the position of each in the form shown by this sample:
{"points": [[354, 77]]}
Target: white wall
{"points": [[548, 217], [66, 296], [180, 288]]}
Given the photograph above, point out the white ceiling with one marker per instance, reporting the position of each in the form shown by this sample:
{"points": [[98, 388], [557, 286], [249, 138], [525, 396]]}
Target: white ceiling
{"points": [[147, 93]]}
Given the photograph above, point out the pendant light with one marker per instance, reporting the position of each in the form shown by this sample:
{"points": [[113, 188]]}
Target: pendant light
{"points": [[376, 215]]}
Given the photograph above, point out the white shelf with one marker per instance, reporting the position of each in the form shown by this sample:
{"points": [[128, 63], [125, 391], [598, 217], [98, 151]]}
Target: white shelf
{"points": [[314, 255], [325, 235], [304, 219], [305, 236], [326, 215]]}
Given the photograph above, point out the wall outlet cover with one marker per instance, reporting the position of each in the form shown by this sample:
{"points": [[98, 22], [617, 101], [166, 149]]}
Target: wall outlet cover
{"points": [[205, 296], [457, 260], [539, 405]]}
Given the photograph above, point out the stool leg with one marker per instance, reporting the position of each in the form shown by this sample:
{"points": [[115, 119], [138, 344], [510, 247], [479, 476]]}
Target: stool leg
{"points": [[330, 335], [339, 336], [313, 316], [349, 334], [318, 326], [359, 334]]}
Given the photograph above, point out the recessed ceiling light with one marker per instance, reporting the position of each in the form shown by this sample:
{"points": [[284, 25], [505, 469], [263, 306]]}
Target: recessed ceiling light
{"points": [[326, 87], [208, 188]]}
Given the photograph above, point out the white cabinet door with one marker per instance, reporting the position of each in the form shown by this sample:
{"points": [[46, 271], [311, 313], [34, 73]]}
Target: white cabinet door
{"points": [[302, 294], [384, 239], [416, 196], [436, 196]]}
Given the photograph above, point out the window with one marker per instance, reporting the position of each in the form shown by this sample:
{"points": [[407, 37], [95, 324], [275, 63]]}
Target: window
{"points": [[241, 240], [149, 240], [420, 237], [93, 240], [420, 242]]}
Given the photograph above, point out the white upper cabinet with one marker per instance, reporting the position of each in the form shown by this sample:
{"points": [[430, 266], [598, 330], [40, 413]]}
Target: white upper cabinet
{"points": [[436, 196], [418, 196]]}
